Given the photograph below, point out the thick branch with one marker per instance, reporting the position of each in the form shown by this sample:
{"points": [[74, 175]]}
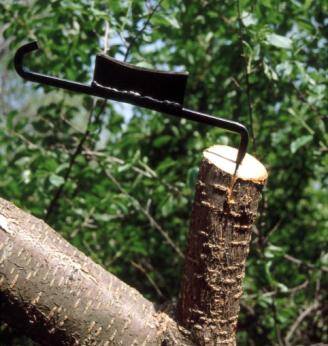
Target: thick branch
{"points": [[55, 294]]}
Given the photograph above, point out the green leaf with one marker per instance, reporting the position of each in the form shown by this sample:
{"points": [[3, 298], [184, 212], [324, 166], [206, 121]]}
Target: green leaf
{"points": [[173, 21], [26, 176], [279, 41], [268, 274], [269, 72], [162, 140], [192, 176], [282, 288], [324, 259], [248, 19], [167, 207], [300, 142], [56, 180], [272, 251], [23, 161]]}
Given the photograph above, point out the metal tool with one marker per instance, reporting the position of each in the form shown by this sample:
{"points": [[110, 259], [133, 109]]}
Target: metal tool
{"points": [[119, 81]]}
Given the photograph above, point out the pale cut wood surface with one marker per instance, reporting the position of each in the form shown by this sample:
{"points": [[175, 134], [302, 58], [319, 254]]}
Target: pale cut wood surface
{"points": [[224, 157]]}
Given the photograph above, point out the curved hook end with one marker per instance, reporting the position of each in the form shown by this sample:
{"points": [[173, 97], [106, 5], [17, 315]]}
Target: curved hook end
{"points": [[242, 150], [19, 56]]}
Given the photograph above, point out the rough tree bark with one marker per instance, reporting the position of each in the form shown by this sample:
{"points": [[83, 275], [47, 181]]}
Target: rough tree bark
{"points": [[52, 292], [220, 232]]}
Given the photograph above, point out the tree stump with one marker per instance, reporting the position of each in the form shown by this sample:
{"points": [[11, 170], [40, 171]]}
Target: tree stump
{"points": [[223, 213]]}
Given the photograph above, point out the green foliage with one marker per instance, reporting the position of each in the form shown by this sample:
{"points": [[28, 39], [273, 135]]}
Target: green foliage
{"points": [[127, 176]]}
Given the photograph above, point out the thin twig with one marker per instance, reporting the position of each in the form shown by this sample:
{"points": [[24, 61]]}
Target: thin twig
{"points": [[53, 203], [106, 37], [141, 31], [146, 213], [149, 278], [272, 230], [292, 290], [299, 320], [246, 76], [146, 171], [25, 140], [302, 263], [276, 322]]}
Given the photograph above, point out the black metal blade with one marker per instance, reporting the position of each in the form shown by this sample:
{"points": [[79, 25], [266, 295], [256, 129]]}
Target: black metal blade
{"points": [[163, 86]]}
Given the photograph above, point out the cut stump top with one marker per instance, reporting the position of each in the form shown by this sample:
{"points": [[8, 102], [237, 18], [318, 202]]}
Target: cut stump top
{"points": [[224, 157]]}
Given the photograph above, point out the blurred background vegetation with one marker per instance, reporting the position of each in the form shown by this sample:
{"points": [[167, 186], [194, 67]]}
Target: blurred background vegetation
{"points": [[118, 181]]}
